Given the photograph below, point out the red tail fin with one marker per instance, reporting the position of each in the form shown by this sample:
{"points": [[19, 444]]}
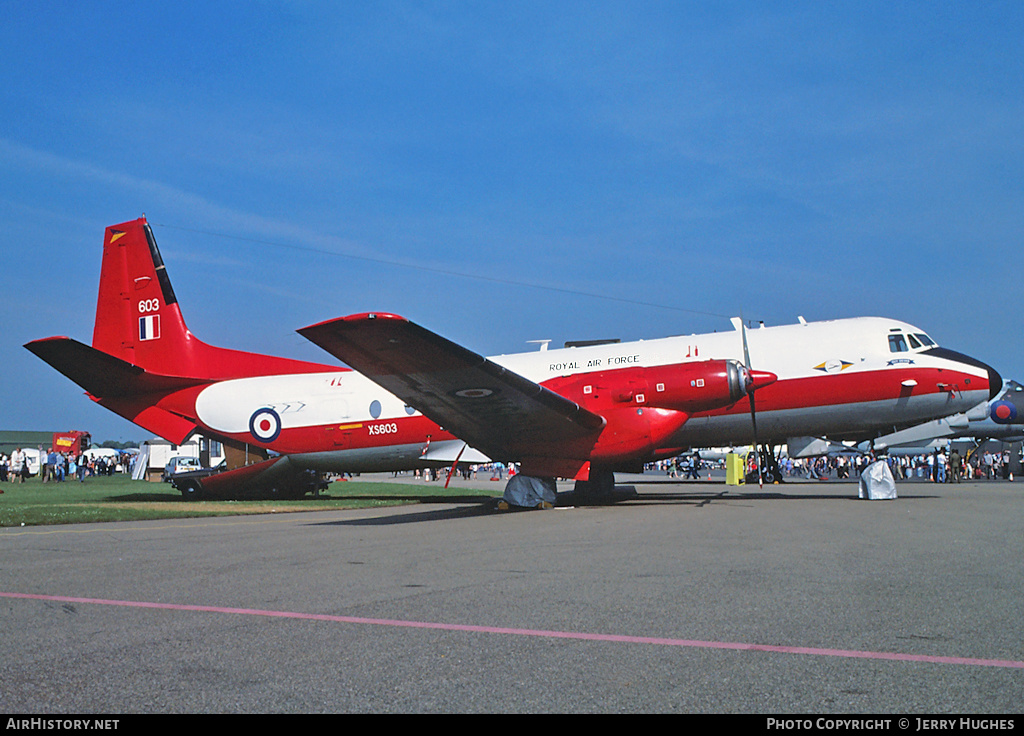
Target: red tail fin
{"points": [[138, 319], [137, 314]]}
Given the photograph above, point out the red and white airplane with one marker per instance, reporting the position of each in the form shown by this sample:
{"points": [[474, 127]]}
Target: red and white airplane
{"points": [[416, 399]]}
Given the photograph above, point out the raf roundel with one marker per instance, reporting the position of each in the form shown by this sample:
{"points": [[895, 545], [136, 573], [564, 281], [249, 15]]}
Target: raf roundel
{"points": [[473, 393], [1003, 412], [265, 424]]}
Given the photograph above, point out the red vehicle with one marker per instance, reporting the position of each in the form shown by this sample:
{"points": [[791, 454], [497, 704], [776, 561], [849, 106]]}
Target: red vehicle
{"points": [[72, 443]]}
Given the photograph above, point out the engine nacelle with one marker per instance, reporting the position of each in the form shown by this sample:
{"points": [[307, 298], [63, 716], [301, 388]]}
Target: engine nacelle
{"points": [[696, 387], [643, 407], [690, 387]]}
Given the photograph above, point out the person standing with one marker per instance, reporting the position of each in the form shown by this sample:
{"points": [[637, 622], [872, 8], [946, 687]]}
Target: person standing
{"points": [[52, 466], [18, 465]]}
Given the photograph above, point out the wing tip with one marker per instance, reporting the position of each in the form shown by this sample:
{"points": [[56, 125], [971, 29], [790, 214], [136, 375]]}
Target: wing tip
{"points": [[351, 319], [365, 316], [42, 340]]}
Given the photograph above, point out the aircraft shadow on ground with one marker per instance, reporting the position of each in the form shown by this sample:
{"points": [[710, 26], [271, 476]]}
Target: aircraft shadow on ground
{"points": [[144, 498], [477, 506], [751, 492], [473, 508], [651, 499], [702, 494]]}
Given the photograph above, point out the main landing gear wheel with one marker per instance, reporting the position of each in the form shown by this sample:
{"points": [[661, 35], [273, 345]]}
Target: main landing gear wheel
{"points": [[772, 469], [600, 490]]}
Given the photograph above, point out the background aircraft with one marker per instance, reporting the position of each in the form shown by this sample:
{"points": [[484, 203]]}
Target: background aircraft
{"points": [[582, 412]]}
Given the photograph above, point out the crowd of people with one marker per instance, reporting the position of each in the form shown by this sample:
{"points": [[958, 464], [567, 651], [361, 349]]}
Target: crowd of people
{"points": [[682, 466], [937, 466], [491, 471], [56, 467]]}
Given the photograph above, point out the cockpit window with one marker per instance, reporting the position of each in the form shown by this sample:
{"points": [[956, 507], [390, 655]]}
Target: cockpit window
{"points": [[897, 344]]}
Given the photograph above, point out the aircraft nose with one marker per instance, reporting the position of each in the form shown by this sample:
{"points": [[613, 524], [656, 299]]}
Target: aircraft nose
{"points": [[995, 383]]}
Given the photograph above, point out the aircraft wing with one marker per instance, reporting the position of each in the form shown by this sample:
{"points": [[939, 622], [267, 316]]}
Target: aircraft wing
{"points": [[497, 411], [922, 434]]}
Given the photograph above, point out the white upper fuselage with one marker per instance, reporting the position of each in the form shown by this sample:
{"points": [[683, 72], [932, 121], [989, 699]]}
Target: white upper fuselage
{"points": [[835, 378], [789, 351]]}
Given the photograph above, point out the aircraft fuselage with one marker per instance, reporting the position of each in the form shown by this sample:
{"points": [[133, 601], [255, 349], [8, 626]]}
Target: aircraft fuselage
{"points": [[838, 379]]}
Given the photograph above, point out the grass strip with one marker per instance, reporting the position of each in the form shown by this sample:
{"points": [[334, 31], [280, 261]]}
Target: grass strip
{"points": [[119, 498]]}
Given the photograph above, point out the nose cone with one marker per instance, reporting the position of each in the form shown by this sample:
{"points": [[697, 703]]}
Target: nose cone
{"points": [[995, 381]]}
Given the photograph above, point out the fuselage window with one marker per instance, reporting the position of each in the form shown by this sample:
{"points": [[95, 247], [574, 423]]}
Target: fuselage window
{"points": [[375, 409], [897, 344]]}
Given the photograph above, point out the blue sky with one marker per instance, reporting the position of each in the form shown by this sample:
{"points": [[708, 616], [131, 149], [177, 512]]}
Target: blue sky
{"points": [[505, 172]]}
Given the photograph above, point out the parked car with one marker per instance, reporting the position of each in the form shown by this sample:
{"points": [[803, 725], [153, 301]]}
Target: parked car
{"points": [[180, 464]]}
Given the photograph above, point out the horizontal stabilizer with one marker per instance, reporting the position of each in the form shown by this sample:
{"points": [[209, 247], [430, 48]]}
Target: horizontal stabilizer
{"points": [[505, 416], [118, 385], [100, 374]]}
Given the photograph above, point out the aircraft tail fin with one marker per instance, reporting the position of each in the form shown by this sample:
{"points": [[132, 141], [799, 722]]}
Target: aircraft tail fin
{"points": [[137, 315], [138, 319]]}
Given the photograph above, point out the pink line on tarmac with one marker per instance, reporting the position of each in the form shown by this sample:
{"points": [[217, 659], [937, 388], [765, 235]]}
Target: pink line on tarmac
{"points": [[617, 638]]}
